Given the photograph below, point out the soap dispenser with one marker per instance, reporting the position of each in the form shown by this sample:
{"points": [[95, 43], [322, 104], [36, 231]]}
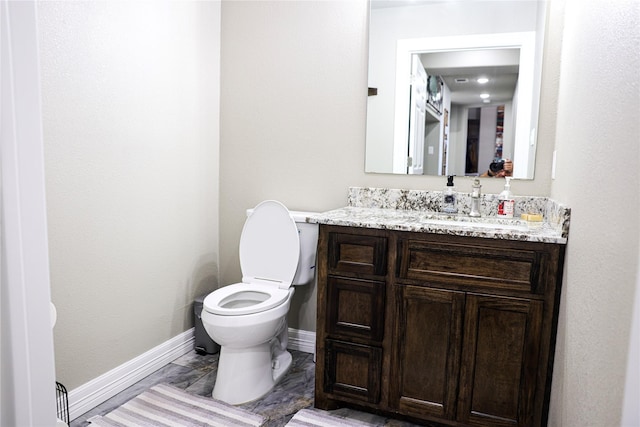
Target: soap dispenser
{"points": [[506, 203], [475, 198], [449, 197]]}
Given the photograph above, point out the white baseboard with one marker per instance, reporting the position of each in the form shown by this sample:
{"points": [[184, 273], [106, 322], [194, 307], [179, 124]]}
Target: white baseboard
{"points": [[302, 340], [104, 387]]}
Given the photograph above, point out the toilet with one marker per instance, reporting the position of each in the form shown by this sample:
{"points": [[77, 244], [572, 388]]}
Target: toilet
{"points": [[249, 319]]}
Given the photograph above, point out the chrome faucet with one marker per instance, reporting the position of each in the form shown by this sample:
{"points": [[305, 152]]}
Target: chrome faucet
{"points": [[475, 198]]}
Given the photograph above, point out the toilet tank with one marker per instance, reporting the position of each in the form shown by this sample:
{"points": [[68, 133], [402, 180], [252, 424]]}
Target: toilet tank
{"points": [[308, 234]]}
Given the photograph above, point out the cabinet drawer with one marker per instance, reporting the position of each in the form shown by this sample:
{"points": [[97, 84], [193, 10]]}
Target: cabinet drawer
{"points": [[356, 308], [352, 253], [353, 371], [470, 265]]}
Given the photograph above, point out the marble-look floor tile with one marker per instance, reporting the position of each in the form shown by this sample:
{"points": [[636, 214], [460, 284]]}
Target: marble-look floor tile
{"points": [[292, 393], [204, 385], [201, 362], [196, 374]]}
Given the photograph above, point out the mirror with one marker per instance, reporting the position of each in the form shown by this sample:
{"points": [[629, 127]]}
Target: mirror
{"points": [[427, 112]]}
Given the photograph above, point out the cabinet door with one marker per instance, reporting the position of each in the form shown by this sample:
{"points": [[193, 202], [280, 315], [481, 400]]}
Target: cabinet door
{"points": [[427, 351], [499, 361]]}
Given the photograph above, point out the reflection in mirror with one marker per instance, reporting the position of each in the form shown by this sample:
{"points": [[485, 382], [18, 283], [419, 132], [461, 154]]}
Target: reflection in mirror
{"points": [[431, 115]]}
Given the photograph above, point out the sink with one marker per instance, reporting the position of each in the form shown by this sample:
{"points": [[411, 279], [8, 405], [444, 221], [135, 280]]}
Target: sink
{"points": [[485, 223], [479, 224]]}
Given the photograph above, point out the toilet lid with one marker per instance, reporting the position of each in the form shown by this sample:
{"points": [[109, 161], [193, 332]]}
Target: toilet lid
{"points": [[269, 245]]}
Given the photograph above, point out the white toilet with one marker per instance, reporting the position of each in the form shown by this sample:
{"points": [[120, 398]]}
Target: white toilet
{"points": [[249, 319]]}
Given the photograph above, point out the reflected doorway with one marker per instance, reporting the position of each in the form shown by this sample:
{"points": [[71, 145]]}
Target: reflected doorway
{"points": [[473, 139], [485, 137]]}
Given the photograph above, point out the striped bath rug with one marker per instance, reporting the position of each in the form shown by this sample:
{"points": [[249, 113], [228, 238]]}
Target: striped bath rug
{"points": [[165, 405], [319, 418]]}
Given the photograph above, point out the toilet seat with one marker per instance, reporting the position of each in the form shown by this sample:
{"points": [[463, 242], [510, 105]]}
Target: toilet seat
{"points": [[244, 298], [269, 252]]}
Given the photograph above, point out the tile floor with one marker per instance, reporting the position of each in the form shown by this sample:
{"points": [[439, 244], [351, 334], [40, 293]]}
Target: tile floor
{"points": [[196, 374]]}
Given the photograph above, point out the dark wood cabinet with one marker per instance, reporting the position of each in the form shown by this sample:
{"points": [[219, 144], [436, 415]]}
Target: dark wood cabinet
{"points": [[354, 271], [353, 371], [426, 351], [499, 363], [441, 330]]}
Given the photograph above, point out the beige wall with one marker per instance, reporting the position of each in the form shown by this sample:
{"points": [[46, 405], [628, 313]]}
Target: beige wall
{"points": [[131, 134], [598, 123]]}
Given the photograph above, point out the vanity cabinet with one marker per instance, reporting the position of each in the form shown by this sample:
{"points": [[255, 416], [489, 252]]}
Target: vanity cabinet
{"points": [[354, 269], [442, 330]]}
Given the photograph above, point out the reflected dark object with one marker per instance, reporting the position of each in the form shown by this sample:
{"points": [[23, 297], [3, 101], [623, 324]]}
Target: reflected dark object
{"points": [[496, 166]]}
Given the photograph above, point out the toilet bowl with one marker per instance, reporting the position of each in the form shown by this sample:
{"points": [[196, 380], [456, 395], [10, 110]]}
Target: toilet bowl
{"points": [[249, 319]]}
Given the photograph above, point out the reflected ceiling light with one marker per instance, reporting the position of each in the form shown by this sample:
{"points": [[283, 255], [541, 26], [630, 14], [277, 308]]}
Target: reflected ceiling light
{"points": [[486, 101], [484, 95], [482, 80]]}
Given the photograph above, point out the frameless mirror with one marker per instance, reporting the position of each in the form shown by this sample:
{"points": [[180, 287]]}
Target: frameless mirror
{"points": [[453, 86]]}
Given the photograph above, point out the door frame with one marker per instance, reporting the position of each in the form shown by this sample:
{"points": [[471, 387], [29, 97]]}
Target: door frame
{"points": [[27, 361]]}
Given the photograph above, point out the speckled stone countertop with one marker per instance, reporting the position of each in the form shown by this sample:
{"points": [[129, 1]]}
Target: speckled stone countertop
{"points": [[419, 211]]}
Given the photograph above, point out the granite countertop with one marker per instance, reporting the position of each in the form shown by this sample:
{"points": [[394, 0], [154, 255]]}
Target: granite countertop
{"points": [[413, 211], [432, 222]]}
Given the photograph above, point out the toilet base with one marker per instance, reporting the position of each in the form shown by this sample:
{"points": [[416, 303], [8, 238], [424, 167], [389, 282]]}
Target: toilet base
{"points": [[247, 374], [281, 365]]}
